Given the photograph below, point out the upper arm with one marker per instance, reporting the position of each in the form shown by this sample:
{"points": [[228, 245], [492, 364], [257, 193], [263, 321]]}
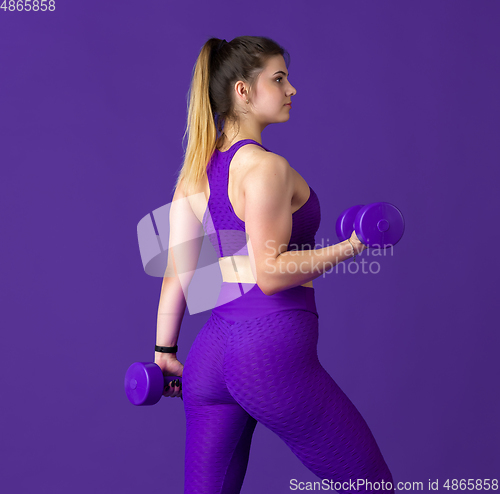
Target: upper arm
{"points": [[269, 188], [185, 237]]}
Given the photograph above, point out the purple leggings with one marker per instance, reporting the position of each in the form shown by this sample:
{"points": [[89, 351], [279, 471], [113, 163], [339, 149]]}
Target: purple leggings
{"points": [[247, 365]]}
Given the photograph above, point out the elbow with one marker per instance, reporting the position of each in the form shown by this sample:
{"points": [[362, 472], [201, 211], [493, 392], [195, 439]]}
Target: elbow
{"points": [[265, 291], [266, 287], [266, 281]]}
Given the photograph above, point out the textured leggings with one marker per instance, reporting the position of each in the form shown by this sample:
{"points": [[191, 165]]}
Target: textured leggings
{"points": [[266, 369]]}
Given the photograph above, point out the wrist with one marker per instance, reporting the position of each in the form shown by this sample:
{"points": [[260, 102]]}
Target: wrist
{"points": [[165, 356], [165, 352], [350, 247], [166, 349], [356, 246]]}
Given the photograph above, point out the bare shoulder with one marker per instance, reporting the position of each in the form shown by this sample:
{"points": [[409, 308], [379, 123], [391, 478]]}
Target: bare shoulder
{"points": [[263, 166], [268, 182]]}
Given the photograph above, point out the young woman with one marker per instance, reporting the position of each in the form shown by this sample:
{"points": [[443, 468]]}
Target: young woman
{"points": [[255, 359]]}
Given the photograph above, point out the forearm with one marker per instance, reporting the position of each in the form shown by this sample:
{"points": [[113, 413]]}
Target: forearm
{"points": [[296, 267], [171, 310]]}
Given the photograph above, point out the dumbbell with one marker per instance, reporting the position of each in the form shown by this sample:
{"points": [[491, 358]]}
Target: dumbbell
{"points": [[379, 224], [145, 382]]}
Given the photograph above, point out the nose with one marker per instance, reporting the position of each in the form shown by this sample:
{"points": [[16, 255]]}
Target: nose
{"points": [[292, 91]]}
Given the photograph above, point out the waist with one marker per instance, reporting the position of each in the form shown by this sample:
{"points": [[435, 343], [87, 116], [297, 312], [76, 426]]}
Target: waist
{"points": [[237, 269], [244, 301]]}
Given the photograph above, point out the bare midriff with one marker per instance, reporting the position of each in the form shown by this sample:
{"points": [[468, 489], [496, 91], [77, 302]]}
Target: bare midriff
{"points": [[237, 269]]}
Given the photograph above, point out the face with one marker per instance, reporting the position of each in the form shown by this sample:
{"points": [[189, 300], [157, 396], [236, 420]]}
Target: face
{"points": [[271, 92]]}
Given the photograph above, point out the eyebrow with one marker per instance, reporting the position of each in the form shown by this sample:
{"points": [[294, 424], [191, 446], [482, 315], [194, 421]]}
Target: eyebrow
{"points": [[281, 72]]}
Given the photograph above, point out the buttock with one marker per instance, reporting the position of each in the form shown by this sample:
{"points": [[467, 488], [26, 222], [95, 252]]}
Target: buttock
{"points": [[243, 355]]}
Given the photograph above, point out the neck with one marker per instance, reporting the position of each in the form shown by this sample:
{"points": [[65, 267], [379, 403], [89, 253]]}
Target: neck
{"points": [[234, 132], [225, 141]]}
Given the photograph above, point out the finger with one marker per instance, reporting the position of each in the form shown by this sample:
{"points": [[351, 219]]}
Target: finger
{"points": [[172, 389], [178, 390], [167, 391]]}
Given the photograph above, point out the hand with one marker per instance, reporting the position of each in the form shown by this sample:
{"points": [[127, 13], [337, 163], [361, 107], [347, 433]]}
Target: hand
{"points": [[170, 367], [357, 244]]}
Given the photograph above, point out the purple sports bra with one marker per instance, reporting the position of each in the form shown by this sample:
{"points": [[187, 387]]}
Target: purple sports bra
{"points": [[227, 232]]}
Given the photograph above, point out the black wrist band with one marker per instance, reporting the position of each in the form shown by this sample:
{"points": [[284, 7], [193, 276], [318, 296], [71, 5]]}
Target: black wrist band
{"points": [[166, 349]]}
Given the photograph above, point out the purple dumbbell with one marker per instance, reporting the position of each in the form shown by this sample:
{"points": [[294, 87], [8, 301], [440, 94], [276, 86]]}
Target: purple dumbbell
{"points": [[145, 382], [379, 224]]}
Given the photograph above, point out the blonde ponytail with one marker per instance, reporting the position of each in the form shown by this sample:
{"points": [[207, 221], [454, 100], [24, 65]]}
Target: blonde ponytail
{"points": [[200, 127]]}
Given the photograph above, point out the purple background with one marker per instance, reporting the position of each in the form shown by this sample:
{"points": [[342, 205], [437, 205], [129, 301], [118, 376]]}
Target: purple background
{"points": [[396, 101]]}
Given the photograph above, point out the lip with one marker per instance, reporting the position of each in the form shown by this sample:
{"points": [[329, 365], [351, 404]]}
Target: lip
{"points": [[288, 104]]}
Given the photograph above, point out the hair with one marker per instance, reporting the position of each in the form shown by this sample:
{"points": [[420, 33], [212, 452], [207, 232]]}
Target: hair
{"points": [[210, 96]]}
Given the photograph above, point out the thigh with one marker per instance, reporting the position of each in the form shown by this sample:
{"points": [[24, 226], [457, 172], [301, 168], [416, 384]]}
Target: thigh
{"points": [[272, 370], [218, 439]]}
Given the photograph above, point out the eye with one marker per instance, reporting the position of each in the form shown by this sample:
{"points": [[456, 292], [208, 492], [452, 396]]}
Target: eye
{"points": [[278, 78]]}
